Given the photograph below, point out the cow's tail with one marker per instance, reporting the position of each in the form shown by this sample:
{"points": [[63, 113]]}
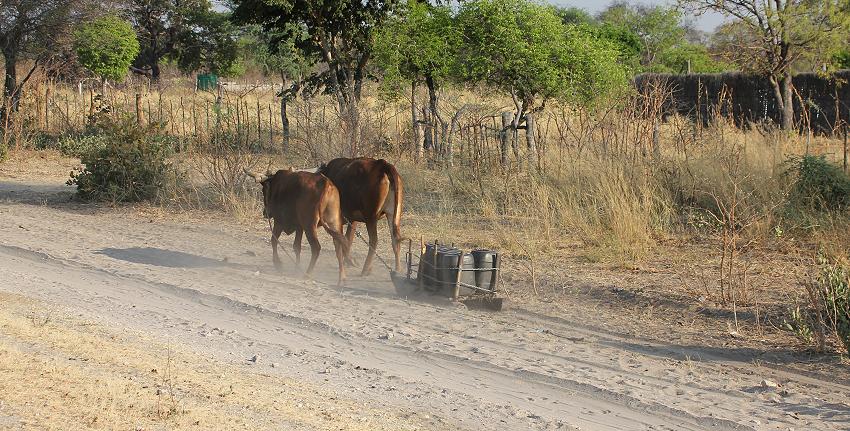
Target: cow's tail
{"points": [[398, 195]]}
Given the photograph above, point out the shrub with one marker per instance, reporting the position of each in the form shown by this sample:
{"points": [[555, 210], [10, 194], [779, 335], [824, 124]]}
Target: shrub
{"points": [[132, 165], [818, 184], [82, 145], [829, 295]]}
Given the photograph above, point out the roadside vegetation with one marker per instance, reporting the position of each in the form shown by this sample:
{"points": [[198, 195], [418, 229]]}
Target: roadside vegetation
{"points": [[514, 125]]}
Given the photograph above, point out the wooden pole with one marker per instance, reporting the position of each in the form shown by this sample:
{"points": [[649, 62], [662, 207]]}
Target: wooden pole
{"points": [[419, 274], [271, 127], [47, 108], [409, 257], [845, 148], [139, 117], [456, 291]]}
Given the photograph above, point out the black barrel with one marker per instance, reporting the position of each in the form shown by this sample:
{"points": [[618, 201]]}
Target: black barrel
{"points": [[486, 263], [468, 277], [426, 268], [447, 259]]}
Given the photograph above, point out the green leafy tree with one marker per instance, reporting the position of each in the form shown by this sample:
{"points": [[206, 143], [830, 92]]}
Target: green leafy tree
{"points": [[693, 58], [523, 49], [106, 47], [32, 30], [418, 44], [658, 28], [277, 54], [340, 33], [769, 37], [188, 32]]}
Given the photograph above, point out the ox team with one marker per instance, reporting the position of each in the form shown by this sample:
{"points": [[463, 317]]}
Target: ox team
{"points": [[352, 191]]}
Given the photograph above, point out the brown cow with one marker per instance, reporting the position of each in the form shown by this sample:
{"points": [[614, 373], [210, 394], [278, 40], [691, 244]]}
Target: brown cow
{"points": [[300, 202], [364, 189]]}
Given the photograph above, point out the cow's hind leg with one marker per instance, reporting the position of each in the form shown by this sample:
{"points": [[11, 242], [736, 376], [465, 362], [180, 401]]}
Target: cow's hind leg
{"points": [[394, 236], [276, 231], [349, 235], [296, 246], [372, 228], [339, 249], [315, 247]]}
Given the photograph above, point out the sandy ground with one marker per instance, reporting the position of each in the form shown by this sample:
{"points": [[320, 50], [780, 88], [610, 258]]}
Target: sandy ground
{"points": [[92, 299]]}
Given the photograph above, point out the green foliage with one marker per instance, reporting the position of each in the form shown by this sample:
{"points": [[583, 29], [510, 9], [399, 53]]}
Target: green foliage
{"points": [[523, 49], [675, 60], [339, 32], [419, 41], [841, 59], [81, 145], [276, 52], [574, 16], [832, 293], [189, 33], [210, 45], [132, 166], [106, 46], [799, 325], [818, 185]]}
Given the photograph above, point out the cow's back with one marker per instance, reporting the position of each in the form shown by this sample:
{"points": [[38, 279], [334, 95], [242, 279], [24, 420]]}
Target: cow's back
{"points": [[362, 185]]}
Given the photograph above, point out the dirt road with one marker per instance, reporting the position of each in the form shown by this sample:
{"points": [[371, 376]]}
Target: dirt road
{"points": [[207, 285]]}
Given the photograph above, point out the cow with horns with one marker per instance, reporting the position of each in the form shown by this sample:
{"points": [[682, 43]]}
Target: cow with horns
{"points": [[301, 202]]}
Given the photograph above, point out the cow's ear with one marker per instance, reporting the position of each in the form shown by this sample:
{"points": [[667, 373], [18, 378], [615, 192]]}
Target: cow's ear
{"points": [[292, 169]]}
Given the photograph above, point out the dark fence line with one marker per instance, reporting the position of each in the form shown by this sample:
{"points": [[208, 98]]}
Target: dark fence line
{"points": [[821, 103]]}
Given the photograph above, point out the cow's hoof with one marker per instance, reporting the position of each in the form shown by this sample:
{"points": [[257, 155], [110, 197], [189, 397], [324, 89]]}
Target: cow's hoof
{"points": [[366, 273]]}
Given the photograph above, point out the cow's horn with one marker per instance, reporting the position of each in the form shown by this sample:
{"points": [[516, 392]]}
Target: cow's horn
{"points": [[257, 177]]}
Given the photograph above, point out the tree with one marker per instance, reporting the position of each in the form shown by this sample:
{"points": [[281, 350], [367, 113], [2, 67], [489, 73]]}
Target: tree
{"points": [[106, 47], [340, 33], [523, 49], [30, 29], [277, 54], [418, 44], [768, 37], [188, 32], [658, 28]]}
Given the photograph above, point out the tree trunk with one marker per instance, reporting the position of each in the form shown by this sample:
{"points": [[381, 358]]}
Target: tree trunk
{"points": [[530, 141], [783, 94], [505, 136], [438, 123], [155, 70], [428, 142], [788, 103], [10, 84], [416, 126], [284, 121]]}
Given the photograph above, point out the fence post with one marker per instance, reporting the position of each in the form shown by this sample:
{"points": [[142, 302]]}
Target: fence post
{"points": [[507, 120], [845, 148], [139, 117], [530, 141], [656, 140]]}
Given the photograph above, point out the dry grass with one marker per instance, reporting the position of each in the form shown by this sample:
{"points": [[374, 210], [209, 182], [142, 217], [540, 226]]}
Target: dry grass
{"points": [[67, 373]]}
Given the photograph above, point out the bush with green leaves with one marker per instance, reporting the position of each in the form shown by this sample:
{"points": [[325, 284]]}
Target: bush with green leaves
{"points": [[132, 166], [82, 144], [106, 46], [830, 297], [818, 185]]}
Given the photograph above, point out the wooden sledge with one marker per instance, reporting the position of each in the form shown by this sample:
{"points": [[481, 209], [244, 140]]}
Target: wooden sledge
{"points": [[428, 277]]}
